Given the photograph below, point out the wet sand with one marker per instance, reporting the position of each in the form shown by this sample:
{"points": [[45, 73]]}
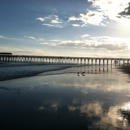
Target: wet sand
{"points": [[19, 70]]}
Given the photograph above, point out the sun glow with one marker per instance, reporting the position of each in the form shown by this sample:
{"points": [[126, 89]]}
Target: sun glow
{"points": [[110, 8]]}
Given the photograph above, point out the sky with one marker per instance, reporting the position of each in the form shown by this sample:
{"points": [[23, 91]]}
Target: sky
{"points": [[84, 28]]}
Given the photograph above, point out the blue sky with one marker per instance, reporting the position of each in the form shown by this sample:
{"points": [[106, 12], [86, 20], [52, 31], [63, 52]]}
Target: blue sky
{"points": [[65, 27]]}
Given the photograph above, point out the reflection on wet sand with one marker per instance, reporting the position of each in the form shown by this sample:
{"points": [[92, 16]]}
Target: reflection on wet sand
{"points": [[100, 117], [81, 98]]}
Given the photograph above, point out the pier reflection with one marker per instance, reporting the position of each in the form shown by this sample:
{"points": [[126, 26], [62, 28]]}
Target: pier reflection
{"points": [[82, 70]]}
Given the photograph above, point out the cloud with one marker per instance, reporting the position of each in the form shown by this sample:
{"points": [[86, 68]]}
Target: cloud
{"points": [[30, 37], [51, 16], [14, 38], [92, 17], [47, 17], [75, 25], [102, 39], [52, 25], [102, 43], [105, 43], [44, 43], [40, 39], [102, 10], [126, 12], [33, 38], [40, 19], [56, 40], [55, 21], [51, 21], [10, 38], [92, 45], [73, 18], [107, 39], [113, 47], [2, 37], [86, 35]]}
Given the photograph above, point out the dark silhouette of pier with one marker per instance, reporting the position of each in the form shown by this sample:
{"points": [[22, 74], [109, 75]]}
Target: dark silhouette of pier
{"points": [[5, 53], [62, 59]]}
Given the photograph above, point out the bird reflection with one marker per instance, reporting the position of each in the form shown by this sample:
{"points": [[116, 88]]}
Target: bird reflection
{"points": [[80, 73], [83, 73]]}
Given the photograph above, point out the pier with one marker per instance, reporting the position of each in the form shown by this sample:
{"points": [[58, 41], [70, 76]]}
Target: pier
{"points": [[63, 60]]}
